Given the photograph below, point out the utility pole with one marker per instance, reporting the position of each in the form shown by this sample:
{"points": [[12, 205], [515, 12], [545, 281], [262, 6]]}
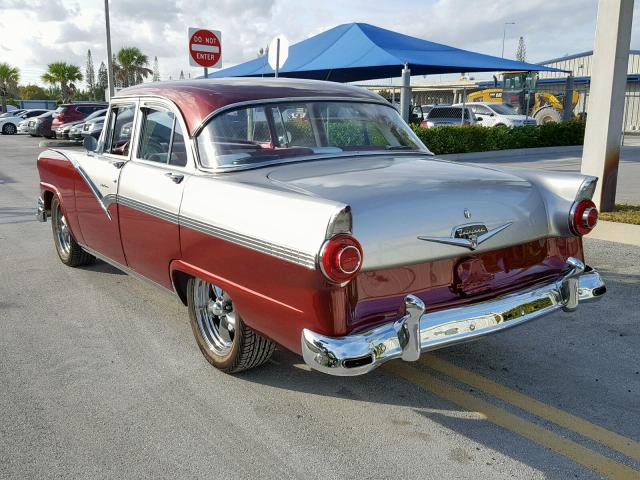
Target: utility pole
{"points": [[601, 153], [504, 34], [109, 57]]}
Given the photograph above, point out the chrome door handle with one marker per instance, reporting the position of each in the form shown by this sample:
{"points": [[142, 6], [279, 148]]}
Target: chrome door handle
{"points": [[117, 163], [176, 177]]}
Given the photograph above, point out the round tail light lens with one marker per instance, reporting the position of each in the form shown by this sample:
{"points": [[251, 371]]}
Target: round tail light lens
{"points": [[584, 216], [341, 258]]}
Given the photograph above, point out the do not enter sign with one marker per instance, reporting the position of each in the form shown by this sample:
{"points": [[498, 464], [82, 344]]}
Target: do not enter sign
{"points": [[205, 48]]}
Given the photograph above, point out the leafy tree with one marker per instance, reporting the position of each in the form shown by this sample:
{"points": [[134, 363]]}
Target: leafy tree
{"points": [[90, 74], [9, 77], [65, 75], [521, 51], [33, 92], [131, 66], [156, 70]]}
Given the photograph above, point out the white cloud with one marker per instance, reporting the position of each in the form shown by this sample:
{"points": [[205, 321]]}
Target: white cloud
{"points": [[35, 33]]}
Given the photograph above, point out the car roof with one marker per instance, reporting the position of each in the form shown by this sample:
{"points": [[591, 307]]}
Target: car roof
{"points": [[197, 99]]}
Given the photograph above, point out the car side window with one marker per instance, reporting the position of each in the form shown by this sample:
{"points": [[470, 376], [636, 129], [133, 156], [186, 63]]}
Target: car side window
{"points": [[118, 134], [161, 138], [481, 110], [178, 155], [155, 135]]}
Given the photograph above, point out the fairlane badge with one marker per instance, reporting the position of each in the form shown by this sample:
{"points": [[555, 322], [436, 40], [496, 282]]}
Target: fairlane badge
{"points": [[469, 236]]}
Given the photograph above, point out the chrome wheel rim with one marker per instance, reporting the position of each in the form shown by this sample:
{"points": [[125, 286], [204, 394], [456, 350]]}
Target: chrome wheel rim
{"points": [[63, 232], [10, 129], [215, 316]]}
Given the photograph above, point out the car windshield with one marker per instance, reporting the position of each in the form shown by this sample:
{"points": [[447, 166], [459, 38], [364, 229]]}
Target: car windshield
{"points": [[302, 130], [503, 109]]}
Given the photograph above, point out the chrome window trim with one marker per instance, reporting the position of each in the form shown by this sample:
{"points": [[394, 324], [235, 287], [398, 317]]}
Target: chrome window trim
{"points": [[133, 142], [265, 101], [159, 102]]}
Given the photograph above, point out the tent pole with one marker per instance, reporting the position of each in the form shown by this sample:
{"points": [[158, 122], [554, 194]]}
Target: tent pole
{"points": [[405, 93]]}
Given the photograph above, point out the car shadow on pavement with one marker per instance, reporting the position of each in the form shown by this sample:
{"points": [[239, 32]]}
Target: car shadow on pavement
{"points": [[103, 267]]}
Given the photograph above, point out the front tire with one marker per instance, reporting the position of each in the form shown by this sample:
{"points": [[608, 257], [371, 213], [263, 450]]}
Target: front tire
{"points": [[9, 129], [223, 338], [70, 253]]}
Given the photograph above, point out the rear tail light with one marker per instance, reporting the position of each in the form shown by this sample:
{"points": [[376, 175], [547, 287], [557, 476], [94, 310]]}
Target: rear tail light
{"points": [[341, 258], [583, 217]]}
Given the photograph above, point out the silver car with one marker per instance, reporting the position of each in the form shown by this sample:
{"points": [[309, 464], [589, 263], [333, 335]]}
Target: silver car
{"points": [[448, 115]]}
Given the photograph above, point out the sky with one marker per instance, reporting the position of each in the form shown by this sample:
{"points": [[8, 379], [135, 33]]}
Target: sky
{"points": [[34, 33]]}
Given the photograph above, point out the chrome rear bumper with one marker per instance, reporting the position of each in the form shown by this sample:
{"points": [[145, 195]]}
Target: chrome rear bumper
{"points": [[417, 332]]}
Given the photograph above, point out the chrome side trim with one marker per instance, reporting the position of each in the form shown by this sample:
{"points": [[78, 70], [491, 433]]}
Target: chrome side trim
{"points": [[360, 353], [92, 186], [587, 188], [284, 253], [127, 270], [148, 209]]}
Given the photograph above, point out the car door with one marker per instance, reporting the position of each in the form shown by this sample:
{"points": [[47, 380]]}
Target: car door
{"points": [[485, 114], [96, 195], [150, 191]]}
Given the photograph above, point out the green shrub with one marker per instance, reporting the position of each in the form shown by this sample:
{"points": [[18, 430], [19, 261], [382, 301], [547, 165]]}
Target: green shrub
{"points": [[474, 138]]}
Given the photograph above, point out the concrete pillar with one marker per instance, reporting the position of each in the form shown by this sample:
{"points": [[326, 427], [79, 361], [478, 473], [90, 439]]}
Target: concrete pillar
{"points": [[567, 112], [405, 93], [601, 152]]}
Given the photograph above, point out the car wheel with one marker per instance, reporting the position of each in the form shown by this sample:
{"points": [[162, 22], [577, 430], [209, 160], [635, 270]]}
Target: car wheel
{"points": [[223, 338], [68, 249], [9, 129]]}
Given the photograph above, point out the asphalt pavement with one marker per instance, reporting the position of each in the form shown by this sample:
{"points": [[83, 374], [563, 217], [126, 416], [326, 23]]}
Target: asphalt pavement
{"points": [[100, 378]]}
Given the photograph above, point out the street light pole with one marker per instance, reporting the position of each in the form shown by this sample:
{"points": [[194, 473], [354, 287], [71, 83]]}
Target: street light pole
{"points": [[504, 35], [109, 57]]}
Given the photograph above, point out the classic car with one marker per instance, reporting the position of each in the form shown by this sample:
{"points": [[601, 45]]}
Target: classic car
{"points": [[307, 214]]}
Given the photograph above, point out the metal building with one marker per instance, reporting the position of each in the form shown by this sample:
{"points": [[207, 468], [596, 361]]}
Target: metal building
{"points": [[580, 65]]}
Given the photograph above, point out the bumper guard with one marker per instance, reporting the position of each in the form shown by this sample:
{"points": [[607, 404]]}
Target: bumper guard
{"points": [[417, 332]]}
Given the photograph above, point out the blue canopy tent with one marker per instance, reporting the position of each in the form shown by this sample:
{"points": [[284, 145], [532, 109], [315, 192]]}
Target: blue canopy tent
{"points": [[359, 51]]}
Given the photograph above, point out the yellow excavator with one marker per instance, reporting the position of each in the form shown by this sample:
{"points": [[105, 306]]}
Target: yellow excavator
{"points": [[519, 91]]}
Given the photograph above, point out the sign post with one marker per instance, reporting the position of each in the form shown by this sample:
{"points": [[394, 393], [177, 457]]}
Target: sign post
{"points": [[205, 49], [278, 53]]}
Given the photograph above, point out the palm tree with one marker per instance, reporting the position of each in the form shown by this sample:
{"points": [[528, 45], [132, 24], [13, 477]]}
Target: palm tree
{"points": [[132, 66], [9, 77], [64, 74]]}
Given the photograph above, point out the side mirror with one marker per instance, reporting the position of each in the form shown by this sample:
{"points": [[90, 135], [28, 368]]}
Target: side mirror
{"points": [[479, 119], [90, 143], [492, 114]]}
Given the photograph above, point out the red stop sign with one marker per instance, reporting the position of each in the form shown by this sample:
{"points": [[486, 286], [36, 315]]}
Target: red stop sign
{"points": [[205, 48]]}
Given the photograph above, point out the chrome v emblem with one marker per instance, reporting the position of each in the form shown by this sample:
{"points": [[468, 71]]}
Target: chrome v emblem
{"points": [[470, 241]]}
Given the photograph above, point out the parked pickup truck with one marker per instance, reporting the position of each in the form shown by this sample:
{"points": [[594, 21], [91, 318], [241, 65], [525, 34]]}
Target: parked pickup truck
{"points": [[308, 215]]}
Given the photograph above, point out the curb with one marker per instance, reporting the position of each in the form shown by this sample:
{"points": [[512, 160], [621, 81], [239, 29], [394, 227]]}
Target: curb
{"points": [[519, 153], [616, 232]]}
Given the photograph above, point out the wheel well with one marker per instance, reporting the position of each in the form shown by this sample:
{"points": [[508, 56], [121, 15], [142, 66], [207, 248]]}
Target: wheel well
{"points": [[180, 280], [47, 197]]}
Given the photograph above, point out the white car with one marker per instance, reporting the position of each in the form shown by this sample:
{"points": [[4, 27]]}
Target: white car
{"points": [[498, 114], [9, 124], [23, 126]]}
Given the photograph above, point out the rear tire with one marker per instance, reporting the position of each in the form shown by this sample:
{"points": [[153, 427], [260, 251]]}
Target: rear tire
{"points": [[70, 253], [223, 338]]}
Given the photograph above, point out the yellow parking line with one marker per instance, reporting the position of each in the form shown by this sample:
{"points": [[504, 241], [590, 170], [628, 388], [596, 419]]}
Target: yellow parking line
{"points": [[614, 441], [570, 449]]}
